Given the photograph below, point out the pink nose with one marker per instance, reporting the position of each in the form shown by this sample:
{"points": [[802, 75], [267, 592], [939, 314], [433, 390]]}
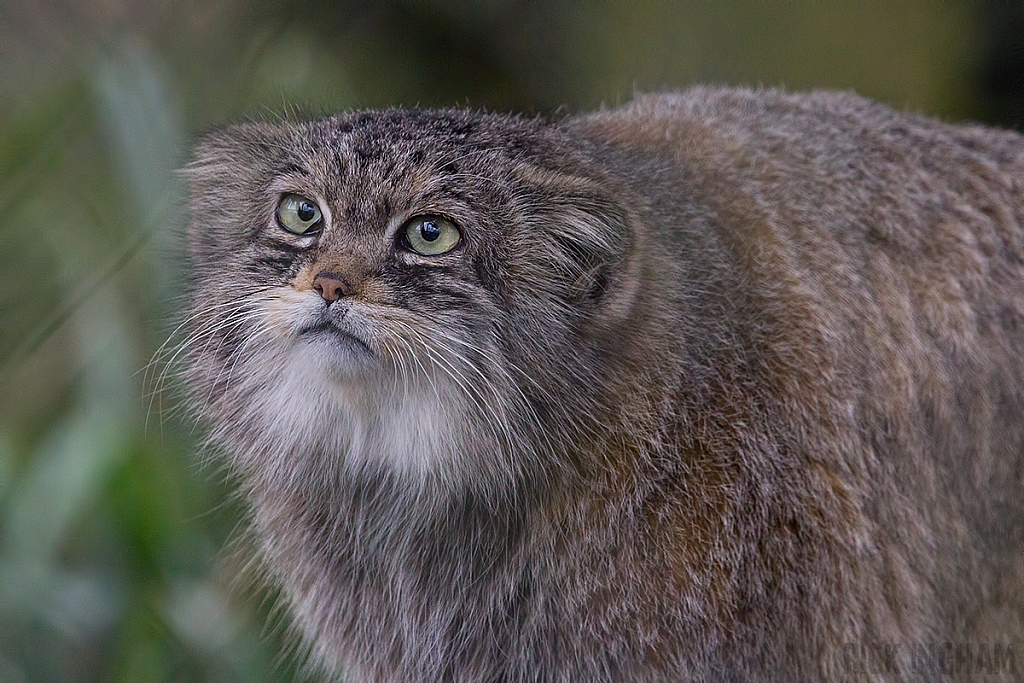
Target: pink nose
{"points": [[331, 286]]}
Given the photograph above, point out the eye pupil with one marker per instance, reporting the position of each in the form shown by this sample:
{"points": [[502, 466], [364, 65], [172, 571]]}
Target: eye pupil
{"points": [[430, 231], [306, 211]]}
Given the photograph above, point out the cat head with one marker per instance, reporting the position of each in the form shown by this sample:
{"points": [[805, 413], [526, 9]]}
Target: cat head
{"points": [[421, 293]]}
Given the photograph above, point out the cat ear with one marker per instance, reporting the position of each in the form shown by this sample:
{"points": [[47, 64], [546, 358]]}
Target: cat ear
{"points": [[590, 248], [222, 177], [210, 174], [592, 240]]}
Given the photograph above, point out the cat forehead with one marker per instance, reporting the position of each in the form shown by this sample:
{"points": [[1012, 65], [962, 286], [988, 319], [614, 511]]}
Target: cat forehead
{"points": [[390, 140], [400, 127]]}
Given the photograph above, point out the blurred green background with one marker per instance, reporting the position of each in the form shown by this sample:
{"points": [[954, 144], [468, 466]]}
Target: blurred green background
{"points": [[116, 560]]}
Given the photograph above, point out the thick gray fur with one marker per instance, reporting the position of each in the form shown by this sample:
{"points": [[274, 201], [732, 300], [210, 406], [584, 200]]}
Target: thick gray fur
{"points": [[723, 385]]}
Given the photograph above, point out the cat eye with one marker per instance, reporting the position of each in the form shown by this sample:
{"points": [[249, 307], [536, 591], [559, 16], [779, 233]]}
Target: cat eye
{"points": [[298, 214], [431, 235]]}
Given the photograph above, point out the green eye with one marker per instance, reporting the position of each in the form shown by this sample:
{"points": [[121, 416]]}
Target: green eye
{"points": [[431, 235], [297, 214]]}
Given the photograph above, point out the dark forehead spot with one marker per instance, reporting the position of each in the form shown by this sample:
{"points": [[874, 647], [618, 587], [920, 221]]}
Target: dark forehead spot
{"points": [[409, 124], [519, 147], [367, 151], [364, 119], [354, 214], [393, 141]]}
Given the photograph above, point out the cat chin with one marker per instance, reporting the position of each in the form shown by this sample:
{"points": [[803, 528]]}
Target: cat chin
{"points": [[325, 399], [321, 390], [338, 356]]}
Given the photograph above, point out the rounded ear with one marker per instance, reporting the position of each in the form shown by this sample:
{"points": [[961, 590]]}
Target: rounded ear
{"points": [[593, 239], [213, 177], [591, 245], [602, 238], [224, 172]]}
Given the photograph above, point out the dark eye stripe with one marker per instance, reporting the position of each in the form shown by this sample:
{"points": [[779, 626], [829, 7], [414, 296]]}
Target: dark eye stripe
{"points": [[293, 249], [429, 294], [277, 256], [277, 263]]}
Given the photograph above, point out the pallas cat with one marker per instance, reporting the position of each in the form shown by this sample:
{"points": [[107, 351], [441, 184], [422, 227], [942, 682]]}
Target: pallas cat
{"points": [[723, 385]]}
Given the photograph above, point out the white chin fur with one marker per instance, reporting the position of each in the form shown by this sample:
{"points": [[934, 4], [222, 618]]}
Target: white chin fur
{"points": [[313, 395]]}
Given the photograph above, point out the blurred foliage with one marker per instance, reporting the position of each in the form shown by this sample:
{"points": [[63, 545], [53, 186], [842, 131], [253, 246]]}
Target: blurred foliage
{"points": [[112, 528]]}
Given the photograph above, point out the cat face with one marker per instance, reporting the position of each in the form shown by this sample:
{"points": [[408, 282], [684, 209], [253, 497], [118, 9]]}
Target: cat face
{"points": [[415, 292]]}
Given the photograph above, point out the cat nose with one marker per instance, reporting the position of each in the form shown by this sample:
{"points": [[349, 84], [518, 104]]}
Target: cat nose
{"points": [[331, 286]]}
